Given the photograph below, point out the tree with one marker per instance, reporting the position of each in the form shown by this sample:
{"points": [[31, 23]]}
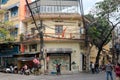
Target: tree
{"points": [[109, 9], [97, 31], [5, 28], [108, 17]]}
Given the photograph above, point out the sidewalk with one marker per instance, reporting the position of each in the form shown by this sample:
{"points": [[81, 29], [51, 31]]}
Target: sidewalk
{"points": [[72, 76]]}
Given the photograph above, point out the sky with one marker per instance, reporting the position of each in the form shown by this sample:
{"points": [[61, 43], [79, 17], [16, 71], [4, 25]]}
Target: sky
{"points": [[88, 4]]}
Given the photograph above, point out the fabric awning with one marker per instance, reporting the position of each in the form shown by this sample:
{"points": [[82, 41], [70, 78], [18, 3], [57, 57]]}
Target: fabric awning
{"points": [[12, 6]]}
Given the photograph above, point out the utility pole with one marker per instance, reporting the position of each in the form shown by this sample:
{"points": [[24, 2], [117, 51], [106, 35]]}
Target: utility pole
{"points": [[40, 31], [41, 40], [86, 54]]}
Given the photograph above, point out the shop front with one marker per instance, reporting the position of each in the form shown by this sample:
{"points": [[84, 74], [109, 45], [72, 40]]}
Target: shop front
{"points": [[59, 56], [7, 50], [26, 58]]}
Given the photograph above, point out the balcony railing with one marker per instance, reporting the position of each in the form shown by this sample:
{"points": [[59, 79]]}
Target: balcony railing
{"points": [[53, 6], [53, 36]]}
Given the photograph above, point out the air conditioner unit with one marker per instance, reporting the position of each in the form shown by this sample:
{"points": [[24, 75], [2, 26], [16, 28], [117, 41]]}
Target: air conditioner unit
{"points": [[82, 31]]}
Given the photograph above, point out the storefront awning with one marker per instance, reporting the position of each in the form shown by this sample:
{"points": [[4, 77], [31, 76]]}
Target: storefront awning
{"points": [[27, 54], [6, 56], [59, 50], [25, 58], [16, 26]]}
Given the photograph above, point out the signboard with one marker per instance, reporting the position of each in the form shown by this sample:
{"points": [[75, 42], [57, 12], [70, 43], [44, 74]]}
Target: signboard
{"points": [[59, 50], [9, 51]]}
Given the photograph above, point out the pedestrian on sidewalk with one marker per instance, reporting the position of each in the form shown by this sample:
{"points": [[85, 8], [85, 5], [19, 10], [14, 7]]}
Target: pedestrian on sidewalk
{"points": [[108, 69], [58, 69], [117, 71], [92, 67], [96, 68]]}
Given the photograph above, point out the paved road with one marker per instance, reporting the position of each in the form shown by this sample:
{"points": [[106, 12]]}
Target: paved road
{"points": [[76, 76]]}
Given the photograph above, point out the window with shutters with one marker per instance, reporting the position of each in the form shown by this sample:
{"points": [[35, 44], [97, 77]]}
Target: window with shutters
{"points": [[58, 29]]}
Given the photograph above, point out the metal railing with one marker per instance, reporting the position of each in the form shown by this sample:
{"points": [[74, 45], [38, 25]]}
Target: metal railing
{"points": [[51, 36], [53, 6]]}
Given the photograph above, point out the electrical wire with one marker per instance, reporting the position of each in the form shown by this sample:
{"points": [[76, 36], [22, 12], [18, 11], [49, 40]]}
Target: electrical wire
{"points": [[32, 15], [72, 29], [59, 37], [83, 20], [40, 22]]}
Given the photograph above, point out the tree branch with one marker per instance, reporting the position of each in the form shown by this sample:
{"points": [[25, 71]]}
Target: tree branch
{"points": [[117, 23]]}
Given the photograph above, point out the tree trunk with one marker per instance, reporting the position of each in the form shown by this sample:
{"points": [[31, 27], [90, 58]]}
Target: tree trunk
{"points": [[98, 56], [104, 41]]}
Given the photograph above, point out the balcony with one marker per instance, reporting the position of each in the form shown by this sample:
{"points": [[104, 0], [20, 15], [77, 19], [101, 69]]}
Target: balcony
{"points": [[54, 37], [54, 8]]}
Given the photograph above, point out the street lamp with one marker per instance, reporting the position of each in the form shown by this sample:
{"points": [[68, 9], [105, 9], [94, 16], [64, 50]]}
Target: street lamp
{"points": [[39, 26]]}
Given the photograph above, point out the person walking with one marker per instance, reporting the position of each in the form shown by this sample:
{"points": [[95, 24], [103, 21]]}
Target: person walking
{"points": [[117, 71], [108, 69], [96, 68], [92, 67]]}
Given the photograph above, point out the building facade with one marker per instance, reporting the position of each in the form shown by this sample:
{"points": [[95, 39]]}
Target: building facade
{"points": [[63, 34], [11, 17]]}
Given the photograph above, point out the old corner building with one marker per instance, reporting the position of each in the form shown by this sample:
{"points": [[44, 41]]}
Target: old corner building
{"points": [[63, 34]]}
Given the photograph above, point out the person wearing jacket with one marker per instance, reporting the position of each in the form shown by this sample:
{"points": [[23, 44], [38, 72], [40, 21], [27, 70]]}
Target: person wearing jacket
{"points": [[108, 70], [117, 71]]}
